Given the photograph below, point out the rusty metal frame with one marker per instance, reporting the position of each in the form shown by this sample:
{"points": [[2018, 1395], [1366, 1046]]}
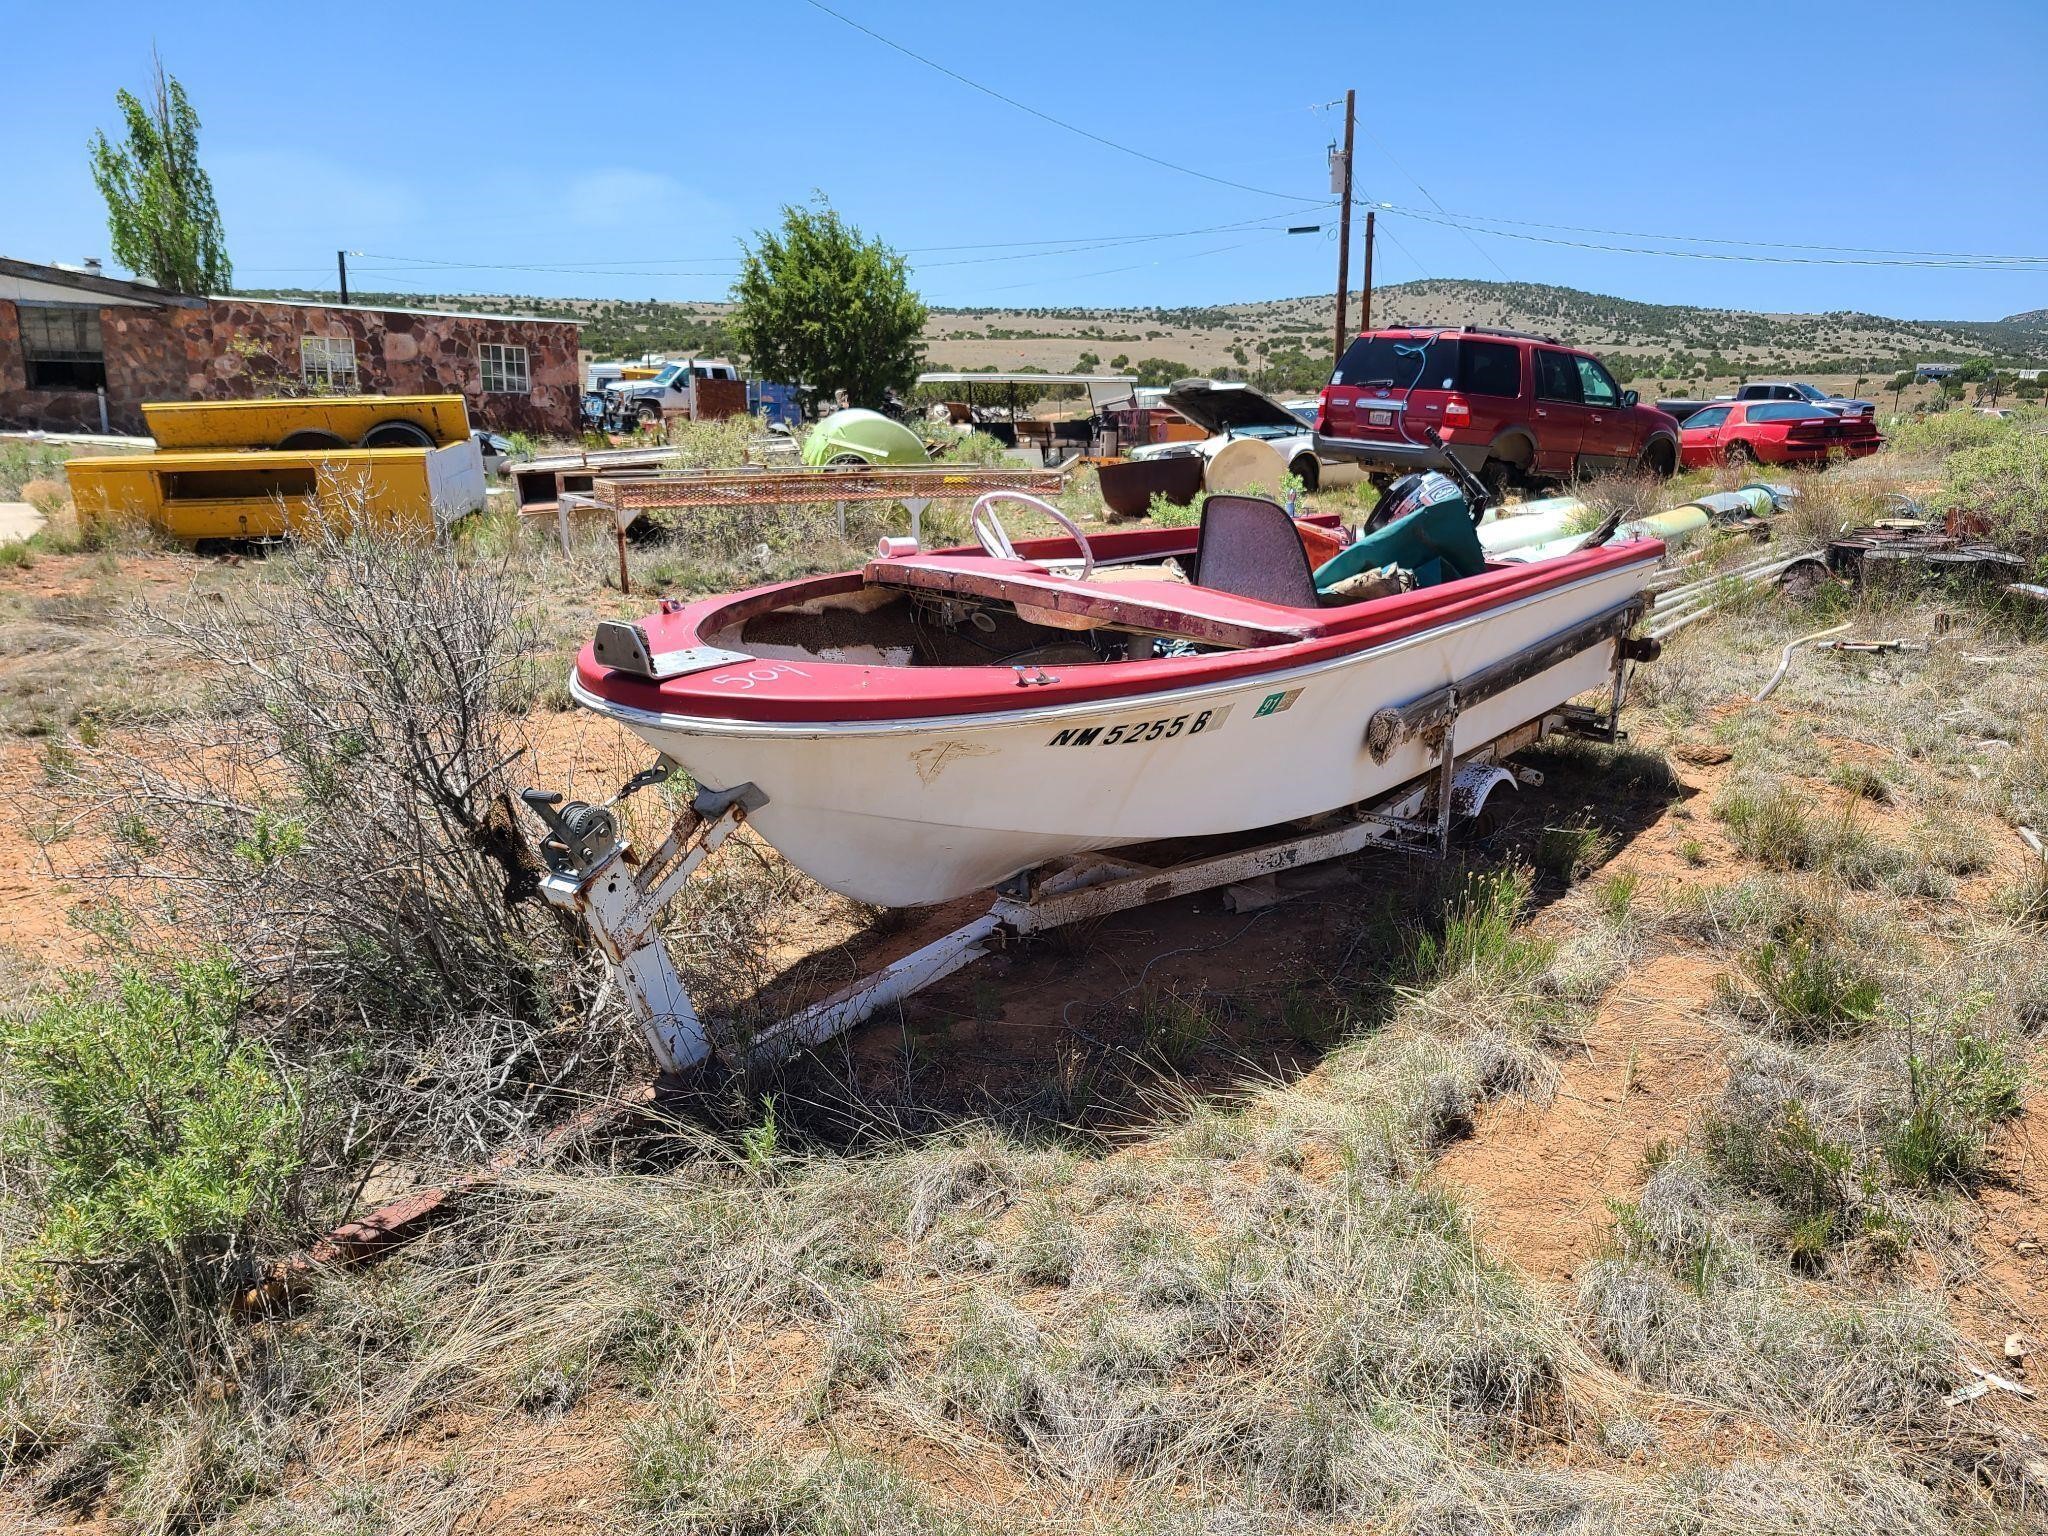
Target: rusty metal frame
{"points": [[811, 487], [622, 905]]}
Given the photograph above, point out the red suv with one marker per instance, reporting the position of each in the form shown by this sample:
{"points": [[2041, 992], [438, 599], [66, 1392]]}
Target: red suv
{"points": [[1516, 408]]}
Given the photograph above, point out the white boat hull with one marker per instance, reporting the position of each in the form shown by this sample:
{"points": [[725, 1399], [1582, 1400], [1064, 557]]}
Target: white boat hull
{"points": [[904, 813]]}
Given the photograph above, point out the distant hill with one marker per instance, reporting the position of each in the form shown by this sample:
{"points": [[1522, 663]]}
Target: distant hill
{"points": [[1287, 341]]}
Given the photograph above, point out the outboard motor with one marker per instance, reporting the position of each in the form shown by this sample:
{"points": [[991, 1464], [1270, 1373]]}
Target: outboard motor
{"points": [[1411, 493], [1426, 489]]}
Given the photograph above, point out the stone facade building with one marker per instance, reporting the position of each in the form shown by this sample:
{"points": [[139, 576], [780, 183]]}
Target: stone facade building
{"points": [[81, 352]]}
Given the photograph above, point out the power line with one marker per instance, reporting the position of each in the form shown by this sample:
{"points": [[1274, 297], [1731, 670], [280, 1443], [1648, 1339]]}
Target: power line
{"points": [[1775, 245], [2012, 264], [1047, 117], [1060, 246], [1395, 241], [1485, 255]]}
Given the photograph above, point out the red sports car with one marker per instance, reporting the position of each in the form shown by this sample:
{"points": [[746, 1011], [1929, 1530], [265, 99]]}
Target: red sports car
{"points": [[1773, 432]]}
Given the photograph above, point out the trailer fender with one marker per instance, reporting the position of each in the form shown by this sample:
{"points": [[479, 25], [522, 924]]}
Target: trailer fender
{"points": [[1472, 786]]}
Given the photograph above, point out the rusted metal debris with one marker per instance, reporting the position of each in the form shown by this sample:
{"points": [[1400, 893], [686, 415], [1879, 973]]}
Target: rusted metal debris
{"points": [[412, 1215], [797, 487], [1913, 539]]}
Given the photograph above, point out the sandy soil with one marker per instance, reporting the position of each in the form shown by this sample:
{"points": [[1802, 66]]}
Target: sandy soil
{"points": [[1537, 1176]]}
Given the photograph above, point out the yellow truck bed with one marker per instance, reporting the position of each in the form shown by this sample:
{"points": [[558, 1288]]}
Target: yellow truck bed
{"points": [[233, 494], [327, 421]]}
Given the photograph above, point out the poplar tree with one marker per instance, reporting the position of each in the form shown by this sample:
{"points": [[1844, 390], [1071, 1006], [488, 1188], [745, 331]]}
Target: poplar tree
{"points": [[160, 209]]}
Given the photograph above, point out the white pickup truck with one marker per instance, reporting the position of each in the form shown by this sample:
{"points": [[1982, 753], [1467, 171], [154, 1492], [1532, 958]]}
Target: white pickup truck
{"points": [[630, 402]]}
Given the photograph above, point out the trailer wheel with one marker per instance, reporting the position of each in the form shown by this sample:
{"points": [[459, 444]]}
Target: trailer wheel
{"points": [[397, 434], [1485, 826], [308, 438], [1478, 808]]}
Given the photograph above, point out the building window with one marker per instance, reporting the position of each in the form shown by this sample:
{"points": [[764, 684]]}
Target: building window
{"points": [[504, 369], [60, 343], [328, 364]]}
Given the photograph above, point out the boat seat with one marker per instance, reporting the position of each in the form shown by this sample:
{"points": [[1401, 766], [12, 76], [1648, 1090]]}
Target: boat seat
{"points": [[1249, 547]]}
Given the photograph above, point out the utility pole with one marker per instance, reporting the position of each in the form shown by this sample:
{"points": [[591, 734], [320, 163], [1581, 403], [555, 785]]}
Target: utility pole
{"points": [[1365, 298], [1343, 172], [341, 262]]}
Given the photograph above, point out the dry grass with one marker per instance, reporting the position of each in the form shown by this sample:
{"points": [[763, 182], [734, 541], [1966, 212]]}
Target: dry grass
{"points": [[1260, 1312]]}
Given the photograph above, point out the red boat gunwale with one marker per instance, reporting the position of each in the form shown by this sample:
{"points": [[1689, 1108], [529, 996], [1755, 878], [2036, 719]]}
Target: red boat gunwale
{"points": [[825, 692]]}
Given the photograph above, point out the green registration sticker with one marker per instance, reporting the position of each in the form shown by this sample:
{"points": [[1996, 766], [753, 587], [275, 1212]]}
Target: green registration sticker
{"points": [[1273, 703]]}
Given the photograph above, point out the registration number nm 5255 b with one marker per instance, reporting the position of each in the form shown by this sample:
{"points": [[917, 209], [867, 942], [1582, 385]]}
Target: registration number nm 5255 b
{"points": [[1165, 728]]}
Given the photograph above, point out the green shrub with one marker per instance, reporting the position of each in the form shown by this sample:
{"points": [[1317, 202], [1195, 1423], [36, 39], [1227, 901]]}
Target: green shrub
{"points": [[1171, 514], [1820, 1182], [721, 444], [1773, 827], [1947, 432], [1568, 853], [1955, 1095], [1174, 1027], [973, 448], [1479, 929], [166, 1148], [1812, 984], [1616, 896], [2005, 482]]}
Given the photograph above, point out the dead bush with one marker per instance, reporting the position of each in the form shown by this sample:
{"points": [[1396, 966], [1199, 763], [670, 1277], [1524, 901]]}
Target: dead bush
{"points": [[339, 819]]}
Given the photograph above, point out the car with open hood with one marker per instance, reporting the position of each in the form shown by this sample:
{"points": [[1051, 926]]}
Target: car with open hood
{"points": [[1228, 411]]}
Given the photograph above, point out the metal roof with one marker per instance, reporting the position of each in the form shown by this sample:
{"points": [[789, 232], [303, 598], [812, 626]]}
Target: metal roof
{"points": [[145, 293], [93, 282], [389, 309]]}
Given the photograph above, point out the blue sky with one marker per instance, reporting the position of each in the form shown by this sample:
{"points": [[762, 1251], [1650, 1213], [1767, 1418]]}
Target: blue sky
{"points": [[639, 144]]}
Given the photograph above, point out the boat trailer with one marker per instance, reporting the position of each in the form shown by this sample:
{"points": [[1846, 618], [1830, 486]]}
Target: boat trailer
{"points": [[592, 872]]}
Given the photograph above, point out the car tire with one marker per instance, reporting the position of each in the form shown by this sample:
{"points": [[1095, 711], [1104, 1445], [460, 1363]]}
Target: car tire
{"points": [[398, 434], [846, 461], [1308, 472], [1497, 475], [648, 416], [308, 438], [1660, 459], [1738, 452]]}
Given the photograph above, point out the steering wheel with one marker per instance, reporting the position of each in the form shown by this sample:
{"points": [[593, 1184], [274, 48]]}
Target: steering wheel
{"points": [[994, 538]]}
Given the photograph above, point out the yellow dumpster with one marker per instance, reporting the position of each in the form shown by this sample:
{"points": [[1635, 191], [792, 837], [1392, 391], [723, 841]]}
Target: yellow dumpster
{"points": [[327, 421], [213, 495]]}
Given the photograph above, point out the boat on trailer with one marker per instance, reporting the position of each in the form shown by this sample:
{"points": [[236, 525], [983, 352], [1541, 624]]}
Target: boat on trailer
{"points": [[941, 722], [1030, 716]]}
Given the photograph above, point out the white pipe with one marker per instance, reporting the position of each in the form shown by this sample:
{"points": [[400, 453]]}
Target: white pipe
{"points": [[1703, 591], [1785, 662], [1760, 568]]}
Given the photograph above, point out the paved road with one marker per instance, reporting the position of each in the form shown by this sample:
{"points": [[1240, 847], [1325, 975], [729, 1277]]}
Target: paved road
{"points": [[18, 521]]}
